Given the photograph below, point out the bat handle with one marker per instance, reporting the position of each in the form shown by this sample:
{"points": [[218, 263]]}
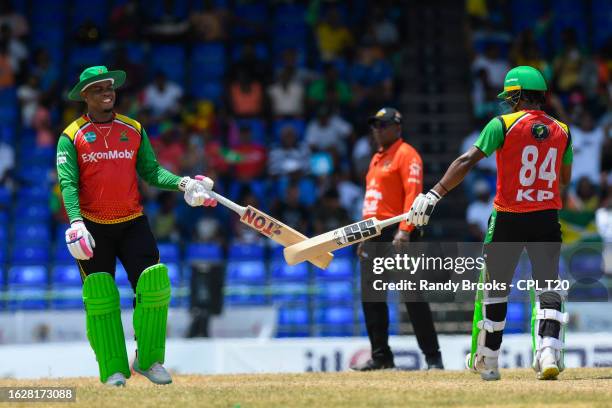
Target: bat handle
{"points": [[393, 220], [240, 210]]}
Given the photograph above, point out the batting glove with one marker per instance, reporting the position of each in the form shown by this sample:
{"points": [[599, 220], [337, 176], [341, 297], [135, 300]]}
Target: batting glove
{"points": [[422, 207], [79, 241], [197, 192]]}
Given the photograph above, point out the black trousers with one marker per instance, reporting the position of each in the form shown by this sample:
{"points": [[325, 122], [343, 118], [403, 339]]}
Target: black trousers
{"points": [[131, 241], [376, 314]]}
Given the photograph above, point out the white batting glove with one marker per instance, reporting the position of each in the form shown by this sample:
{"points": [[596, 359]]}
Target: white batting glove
{"points": [[422, 207], [79, 241], [197, 192]]}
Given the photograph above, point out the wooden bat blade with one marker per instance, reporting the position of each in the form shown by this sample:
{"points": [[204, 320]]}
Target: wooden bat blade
{"points": [[332, 240], [281, 233]]}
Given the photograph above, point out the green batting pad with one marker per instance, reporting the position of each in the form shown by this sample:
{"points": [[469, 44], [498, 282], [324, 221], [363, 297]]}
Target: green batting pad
{"points": [[104, 328], [151, 314]]}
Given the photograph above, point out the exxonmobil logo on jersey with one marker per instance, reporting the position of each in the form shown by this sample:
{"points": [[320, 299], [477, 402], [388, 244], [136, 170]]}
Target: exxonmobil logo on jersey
{"points": [[94, 157]]}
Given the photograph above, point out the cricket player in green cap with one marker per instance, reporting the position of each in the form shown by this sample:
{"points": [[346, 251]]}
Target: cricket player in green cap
{"points": [[99, 158], [534, 161]]}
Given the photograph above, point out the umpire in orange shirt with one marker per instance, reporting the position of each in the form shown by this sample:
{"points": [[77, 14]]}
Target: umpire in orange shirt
{"points": [[394, 179]]}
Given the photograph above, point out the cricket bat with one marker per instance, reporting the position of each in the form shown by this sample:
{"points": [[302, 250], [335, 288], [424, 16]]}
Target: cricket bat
{"points": [[273, 229], [338, 238]]}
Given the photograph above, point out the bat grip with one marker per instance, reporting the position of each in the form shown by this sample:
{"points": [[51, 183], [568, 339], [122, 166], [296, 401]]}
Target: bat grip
{"points": [[393, 220], [226, 202]]}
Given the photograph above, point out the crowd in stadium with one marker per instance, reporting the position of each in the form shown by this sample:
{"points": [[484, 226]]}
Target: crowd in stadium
{"points": [[274, 112]]}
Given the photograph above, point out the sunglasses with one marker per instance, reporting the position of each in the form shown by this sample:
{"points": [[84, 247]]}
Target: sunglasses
{"points": [[380, 125]]}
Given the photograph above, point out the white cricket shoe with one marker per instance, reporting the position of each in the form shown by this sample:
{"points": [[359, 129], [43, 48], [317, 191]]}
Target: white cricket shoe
{"points": [[116, 380], [156, 374], [547, 364], [487, 367]]}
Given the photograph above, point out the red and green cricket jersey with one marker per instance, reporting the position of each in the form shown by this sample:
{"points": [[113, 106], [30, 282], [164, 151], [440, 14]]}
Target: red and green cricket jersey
{"points": [[531, 147], [98, 166]]}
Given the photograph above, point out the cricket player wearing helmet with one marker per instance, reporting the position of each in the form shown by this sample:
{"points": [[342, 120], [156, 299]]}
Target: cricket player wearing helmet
{"points": [[534, 160], [99, 158]]}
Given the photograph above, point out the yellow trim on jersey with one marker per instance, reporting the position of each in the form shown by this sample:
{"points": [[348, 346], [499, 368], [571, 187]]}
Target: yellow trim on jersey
{"points": [[73, 128], [511, 118], [130, 122], [117, 221]]}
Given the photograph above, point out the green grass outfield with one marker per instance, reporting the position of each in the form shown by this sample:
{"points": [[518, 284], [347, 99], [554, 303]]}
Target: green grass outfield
{"points": [[518, 388]]}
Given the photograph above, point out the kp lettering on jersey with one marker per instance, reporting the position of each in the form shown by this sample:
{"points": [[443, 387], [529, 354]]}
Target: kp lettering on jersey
{"points": [[264, 225], [534, 195], [94, 157]]}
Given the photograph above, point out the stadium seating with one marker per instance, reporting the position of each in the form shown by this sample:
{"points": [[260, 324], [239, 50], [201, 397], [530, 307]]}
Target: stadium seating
{"points": [[33, 254], [168, 252], [161, 54], [67, 292], [204, 252], [28, 287]]}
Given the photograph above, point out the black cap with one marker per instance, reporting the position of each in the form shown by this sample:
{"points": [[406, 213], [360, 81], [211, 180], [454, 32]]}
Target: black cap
{"points": [[387, 115]]}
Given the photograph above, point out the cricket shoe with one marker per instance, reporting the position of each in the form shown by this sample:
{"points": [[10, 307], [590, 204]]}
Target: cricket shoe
{"points": [[157, 374], [373, 365], [487, 367], [116, 380], [547, 364], [434, 363]]}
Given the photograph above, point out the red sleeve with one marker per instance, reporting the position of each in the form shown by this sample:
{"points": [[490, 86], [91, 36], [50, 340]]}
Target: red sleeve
{"points": [[411, 172]]}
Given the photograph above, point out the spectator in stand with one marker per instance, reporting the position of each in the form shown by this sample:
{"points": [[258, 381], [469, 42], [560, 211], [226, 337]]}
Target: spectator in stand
{"points": [[209, 24], [289, 156], [478, 212], [164, 226], [329, 214], [351, 194], [17, 51], [7, 162], [494, 65], [333, 37], [28, 95], [372, 78], [484, 95], [18, 23], [251, 161], [384, 29], [47, 72], [135, 72], [167, 27], [41, 122], [125, 21], [162, 97], [169, 147], [292, 211], [587, 141], [525, 51], [328, 132], [290, 64], [88, 33], [286, 96], [246, 96], [330, 89], [585, 198], [603, 221], [568, 64], [249, 62]]}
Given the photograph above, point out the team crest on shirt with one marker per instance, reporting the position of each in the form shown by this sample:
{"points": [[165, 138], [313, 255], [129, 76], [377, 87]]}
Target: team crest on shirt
{"points": [[90, 137], [539, 131], [124, 137]]}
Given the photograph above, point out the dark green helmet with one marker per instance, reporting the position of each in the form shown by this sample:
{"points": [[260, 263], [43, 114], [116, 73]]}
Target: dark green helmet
{"points": [[523, 77]]}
